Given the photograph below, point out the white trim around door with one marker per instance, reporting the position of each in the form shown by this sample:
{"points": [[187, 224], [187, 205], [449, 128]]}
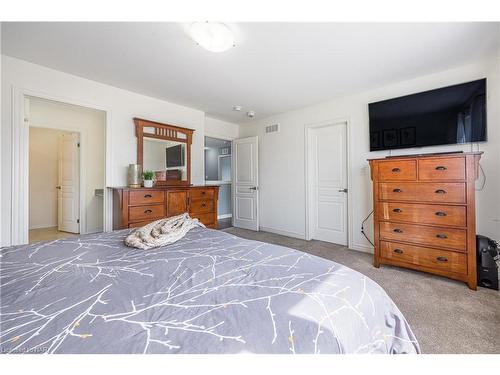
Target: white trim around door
{"points": [[308, 192], [20, 160]]}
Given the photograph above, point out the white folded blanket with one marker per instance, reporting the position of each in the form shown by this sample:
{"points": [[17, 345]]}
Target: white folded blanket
{"points": [[162, 232]]}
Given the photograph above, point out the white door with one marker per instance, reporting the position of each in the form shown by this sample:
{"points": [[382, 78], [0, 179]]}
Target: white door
{"points": [[245, 183], [327, 183], [68, 196]]}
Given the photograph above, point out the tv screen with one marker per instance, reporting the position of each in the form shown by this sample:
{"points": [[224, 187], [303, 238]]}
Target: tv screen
{"points": [[448, 115], [175, 156]]}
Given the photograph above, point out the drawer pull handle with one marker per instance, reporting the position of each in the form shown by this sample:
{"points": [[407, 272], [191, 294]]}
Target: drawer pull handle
{"points": [[440, 191], [398, 251], [203, 205], [398, 210], [441, 235], [148, 196], [439, 213], [442, 259], [441, 168], [397, 230], [397, 191], [148, 211], [203, 192], [396, 170]]}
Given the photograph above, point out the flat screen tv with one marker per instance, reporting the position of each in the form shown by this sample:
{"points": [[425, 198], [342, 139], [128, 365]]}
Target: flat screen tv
{"points": [[449, 115], [175, 156]]}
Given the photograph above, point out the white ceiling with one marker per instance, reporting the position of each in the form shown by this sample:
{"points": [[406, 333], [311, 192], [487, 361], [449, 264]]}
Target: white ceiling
{"points": [[275, 67]]}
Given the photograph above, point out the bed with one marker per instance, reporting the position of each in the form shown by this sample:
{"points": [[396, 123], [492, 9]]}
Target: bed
{"points": [[210, 292]]}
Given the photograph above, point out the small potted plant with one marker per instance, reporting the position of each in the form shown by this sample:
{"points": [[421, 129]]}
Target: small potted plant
{"points": [[148, 178]]}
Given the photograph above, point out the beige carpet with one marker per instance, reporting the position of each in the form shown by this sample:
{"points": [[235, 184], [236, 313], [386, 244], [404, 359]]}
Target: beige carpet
{"points": [[48, 234], [445, 315]]}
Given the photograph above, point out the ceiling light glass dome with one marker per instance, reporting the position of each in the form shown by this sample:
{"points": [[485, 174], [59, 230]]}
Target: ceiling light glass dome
{"points": [[213, 36]]}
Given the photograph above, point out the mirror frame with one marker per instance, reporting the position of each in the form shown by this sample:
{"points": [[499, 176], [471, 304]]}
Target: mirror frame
{"points": [[166, 132]]}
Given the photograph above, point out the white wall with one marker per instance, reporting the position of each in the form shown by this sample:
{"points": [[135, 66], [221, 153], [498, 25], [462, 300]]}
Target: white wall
{"points": [[221, 129], [121, 105], [281, 156], [90, 124], [43, 177]]}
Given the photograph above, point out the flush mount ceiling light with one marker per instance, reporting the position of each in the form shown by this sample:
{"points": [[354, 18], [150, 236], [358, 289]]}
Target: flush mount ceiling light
{"points": [[213, 36]]}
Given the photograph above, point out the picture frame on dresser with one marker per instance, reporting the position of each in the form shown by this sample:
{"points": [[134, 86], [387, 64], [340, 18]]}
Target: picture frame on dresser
{"points": [[424, 213]]}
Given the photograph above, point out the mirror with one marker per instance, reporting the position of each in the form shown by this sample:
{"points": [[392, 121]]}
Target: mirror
{"points": [[165, 150], [166, 158]]}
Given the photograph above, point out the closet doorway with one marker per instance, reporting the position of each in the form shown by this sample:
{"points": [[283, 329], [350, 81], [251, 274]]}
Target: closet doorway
{"points": [[66, 169], [218, 172]]}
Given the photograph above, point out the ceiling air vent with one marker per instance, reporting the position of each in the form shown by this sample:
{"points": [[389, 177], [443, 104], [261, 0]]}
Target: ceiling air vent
{"points": [[275, 128]]}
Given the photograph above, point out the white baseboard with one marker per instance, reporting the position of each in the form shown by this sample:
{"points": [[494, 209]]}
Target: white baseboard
{"points": [[225, 216], [43, 226], [283, 232], [94, 230], [362, 248]]}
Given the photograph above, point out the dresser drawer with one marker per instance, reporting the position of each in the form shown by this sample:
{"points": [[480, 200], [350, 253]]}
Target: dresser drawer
{"points": [[202, 205], [207, 219], [149, 212], [397, 170], [202, 193], [426, 257], [423, 213], [442, 192], [451, 238], [146, 197], [441, 169], [138, 224]]}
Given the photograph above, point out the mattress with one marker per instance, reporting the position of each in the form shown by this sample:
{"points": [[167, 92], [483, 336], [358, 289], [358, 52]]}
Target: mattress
{"points": [[210, 292]]}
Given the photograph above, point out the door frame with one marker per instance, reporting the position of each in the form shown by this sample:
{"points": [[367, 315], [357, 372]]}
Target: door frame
{"points": [[223, 137], [308, 177], [20, 164]]}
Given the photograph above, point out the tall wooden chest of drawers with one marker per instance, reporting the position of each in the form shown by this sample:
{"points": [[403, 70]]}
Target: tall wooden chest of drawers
{"points": [[135, 207], [424, 213]]}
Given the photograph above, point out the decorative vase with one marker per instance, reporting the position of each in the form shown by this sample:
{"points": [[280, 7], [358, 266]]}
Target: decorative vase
{"points": [[148, 183], [134, 175]]}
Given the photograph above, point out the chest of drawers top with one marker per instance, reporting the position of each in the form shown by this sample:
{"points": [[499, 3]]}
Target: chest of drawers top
{"points": [[426, 168]]}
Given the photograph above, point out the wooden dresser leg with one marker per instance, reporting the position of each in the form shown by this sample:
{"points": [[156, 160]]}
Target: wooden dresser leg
{"points": [[472, 283], [376, 262]]}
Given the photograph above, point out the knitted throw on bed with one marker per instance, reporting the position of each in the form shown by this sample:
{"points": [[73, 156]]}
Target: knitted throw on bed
{"points": [[162, 232]]}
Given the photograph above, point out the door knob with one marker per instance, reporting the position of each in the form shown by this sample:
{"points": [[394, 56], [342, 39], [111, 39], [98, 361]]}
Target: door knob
{"points": [[343, 191], [58, 187], [253, 188]]}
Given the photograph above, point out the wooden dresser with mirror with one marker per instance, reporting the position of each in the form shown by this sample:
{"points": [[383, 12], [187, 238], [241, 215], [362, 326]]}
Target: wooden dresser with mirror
{"points": [[424, 213], [166, 150]]}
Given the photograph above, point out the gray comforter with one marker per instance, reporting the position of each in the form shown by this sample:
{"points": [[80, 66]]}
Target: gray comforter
{"points": [[210, 292]]}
